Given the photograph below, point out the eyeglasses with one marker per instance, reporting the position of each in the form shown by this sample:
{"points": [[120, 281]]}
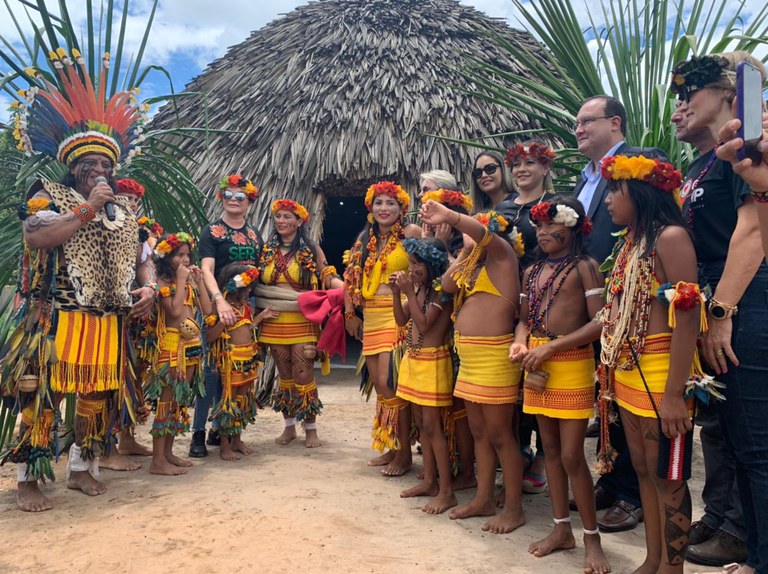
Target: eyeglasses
{"points": [[239, 196], [584, 122], [489, 169]]}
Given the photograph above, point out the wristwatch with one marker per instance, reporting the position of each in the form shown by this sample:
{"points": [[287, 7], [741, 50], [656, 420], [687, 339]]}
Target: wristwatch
{"points": [[720, 311]]}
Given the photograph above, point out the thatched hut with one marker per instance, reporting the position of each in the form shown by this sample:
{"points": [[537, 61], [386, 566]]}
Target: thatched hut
{"points": [[341, 93]]}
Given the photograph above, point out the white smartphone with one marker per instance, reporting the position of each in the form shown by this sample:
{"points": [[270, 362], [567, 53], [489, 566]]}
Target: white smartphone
{"points": [[749, 95]]}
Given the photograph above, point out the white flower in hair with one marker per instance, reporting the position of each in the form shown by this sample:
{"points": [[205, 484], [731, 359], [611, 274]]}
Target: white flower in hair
{"points": [[566, 216]]}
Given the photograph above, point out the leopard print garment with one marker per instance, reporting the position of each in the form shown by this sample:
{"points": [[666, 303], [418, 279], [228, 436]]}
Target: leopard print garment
{"points": [[100, 258]]}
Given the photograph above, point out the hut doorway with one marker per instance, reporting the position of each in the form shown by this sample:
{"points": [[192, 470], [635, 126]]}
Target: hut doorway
{"points": [[344, 218]]}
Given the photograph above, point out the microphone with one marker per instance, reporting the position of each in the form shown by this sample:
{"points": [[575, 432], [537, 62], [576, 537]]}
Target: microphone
{"points": [[109, 208]]}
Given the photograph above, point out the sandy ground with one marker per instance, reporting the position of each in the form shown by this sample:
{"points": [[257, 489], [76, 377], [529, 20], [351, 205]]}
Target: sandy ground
{"points": [[282, 509]]}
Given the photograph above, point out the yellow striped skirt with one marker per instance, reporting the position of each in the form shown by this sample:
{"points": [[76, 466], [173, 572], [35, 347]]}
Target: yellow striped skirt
{"points": [[570, 392], [486, 375], [169, 349], [380, 330], [427, 378], [288, 328]]}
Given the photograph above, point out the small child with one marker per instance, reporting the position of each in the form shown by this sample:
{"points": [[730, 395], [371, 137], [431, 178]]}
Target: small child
{"points": [[426, 371], [236, 354], [560, 297], [176, 367]]}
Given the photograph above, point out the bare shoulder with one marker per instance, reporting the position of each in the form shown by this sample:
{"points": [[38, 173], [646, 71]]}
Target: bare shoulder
{"points": [[673, 237]]}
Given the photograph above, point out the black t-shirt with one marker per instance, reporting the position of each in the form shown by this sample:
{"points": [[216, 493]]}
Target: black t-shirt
{"points": [[228, 245], [519, 215], [710, 209]]}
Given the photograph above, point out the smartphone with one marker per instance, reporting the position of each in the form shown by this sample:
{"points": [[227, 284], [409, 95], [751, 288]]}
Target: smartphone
{"points": [[749, 94]]}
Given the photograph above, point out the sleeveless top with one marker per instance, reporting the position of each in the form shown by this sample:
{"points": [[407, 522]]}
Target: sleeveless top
{"points": [[397, 260]]}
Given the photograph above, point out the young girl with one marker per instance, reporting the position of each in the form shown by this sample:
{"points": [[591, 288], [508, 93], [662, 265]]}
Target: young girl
{"points": [[426, 371], [651, 321], [235, 351], [176, 374], [561, 295]]}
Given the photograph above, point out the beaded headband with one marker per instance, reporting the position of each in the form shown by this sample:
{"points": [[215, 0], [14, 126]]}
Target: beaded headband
{"points": [[493, 221], [425, 251], [173, 242], [289, 205], [536, 151], [237, 181], [660, 174], [449, 197], [387, 188], [241, 280], [696, 73]]}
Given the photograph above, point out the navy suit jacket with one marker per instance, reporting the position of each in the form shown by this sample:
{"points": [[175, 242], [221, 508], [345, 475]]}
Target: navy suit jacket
{"points": [[600, 242]]}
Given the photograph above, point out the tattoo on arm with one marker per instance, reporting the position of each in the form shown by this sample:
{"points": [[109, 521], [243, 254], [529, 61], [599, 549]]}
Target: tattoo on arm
{"points": [[34, 223]]}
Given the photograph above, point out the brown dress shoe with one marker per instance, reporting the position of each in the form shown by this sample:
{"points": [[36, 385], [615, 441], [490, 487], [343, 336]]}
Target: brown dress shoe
{"points": [[620, 517], [722, 548], [699, 532], [603, 499]]}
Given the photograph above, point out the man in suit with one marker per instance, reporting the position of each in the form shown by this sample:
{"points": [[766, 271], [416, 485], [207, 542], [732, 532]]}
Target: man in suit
{"points": [[601, 125]]}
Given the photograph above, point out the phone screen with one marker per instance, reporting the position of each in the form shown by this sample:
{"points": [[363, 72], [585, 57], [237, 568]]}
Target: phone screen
{"points": [[749, 87]]}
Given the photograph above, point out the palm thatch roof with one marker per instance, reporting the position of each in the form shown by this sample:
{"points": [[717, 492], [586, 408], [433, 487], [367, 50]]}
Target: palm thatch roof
{"points": [[338, 94]]}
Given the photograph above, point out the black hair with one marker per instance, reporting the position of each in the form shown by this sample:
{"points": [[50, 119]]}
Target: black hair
{"points": [[613, 108], [301, 241], [229, 271], [577, 241], [434, 269], [163, 264]]}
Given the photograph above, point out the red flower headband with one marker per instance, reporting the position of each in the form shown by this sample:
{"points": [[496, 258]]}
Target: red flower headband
{"points": [[387, 188], [289, 205], [659, 174], [535, 151], [130, 187], [237, 181], [546, 212]]}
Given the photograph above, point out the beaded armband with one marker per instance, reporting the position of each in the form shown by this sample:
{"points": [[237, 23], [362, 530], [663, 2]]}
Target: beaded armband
{"points": [[153, 285], [760, 196], [84, 213], [166, 291], [684, 296]]}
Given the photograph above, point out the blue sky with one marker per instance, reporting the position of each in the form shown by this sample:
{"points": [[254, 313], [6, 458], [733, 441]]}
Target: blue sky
{"points": [[189, 34]]}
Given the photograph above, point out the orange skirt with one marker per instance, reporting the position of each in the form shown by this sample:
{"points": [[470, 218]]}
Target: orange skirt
{"points": [[380, 330]]}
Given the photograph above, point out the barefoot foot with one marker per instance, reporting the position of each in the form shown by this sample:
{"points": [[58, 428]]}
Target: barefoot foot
{"points": [[425, 488], [226, 452], [464, 481], [128, 446], [30, 499], [500, 499], [176, 461], [440, 503], [595, 561], [118, 461], [561, 538], [239, 446], [506, 521], [289, 433], [474, 508], [382, 460], [85, 483], [311, 439], [400, 464], [166, 468]]}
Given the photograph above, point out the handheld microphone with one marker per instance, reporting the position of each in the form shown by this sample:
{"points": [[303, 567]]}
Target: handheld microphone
{"points": [[109, 208]]}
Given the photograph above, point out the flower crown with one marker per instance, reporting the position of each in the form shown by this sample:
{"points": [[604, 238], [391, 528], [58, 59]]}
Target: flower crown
{"points": [[130, 187], [536, 151], [449, 197], [150, 225], [659, 174], [239, 182], [493, 221], [696, 73], [547, 212], [425, 251], [289, 205], [387, 188], [241, 280], [173, 242], [517, 242]]}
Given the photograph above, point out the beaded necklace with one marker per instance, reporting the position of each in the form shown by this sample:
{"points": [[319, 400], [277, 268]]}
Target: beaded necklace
{"points": [[540, 299]]}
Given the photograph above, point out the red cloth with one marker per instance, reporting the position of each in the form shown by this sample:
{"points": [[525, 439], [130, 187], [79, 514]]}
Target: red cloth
{"points": [[317, 306]]}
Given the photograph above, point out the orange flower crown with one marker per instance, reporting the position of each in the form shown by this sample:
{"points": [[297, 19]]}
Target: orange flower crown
{"points": [[495, 222], [387, 188], [237, 181], [289, 205], [660, 174], [173, 242], [449, 197], [150, 225], [130, 187], [536, 151]]}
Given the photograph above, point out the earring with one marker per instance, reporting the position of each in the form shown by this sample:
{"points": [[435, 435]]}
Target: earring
{"points": [[370, 218]]}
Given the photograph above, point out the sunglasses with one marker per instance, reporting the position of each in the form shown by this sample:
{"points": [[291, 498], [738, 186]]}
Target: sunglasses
{"points": [[489, 169], [239, 196]]}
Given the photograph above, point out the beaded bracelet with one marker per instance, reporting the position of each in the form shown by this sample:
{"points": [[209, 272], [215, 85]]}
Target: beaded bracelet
{"points": [[153, 285], [84, 213], [760, 196]]}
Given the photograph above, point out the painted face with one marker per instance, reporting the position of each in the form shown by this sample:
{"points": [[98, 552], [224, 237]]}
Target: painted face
{"points": [[529, 173], [385, 209], [426, 185], [237, 204], [180, 257], [595, 132], [87, 168], [619, 204], [418, 270], [489, 177], [286, 222], [553, 237], [705, 106]]}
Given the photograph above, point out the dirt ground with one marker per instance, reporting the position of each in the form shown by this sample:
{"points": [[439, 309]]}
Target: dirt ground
{"points": [[282, 509]]}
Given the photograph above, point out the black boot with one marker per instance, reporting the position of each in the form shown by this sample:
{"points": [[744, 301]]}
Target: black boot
{"points": [[197, 446], [214, 438]]}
